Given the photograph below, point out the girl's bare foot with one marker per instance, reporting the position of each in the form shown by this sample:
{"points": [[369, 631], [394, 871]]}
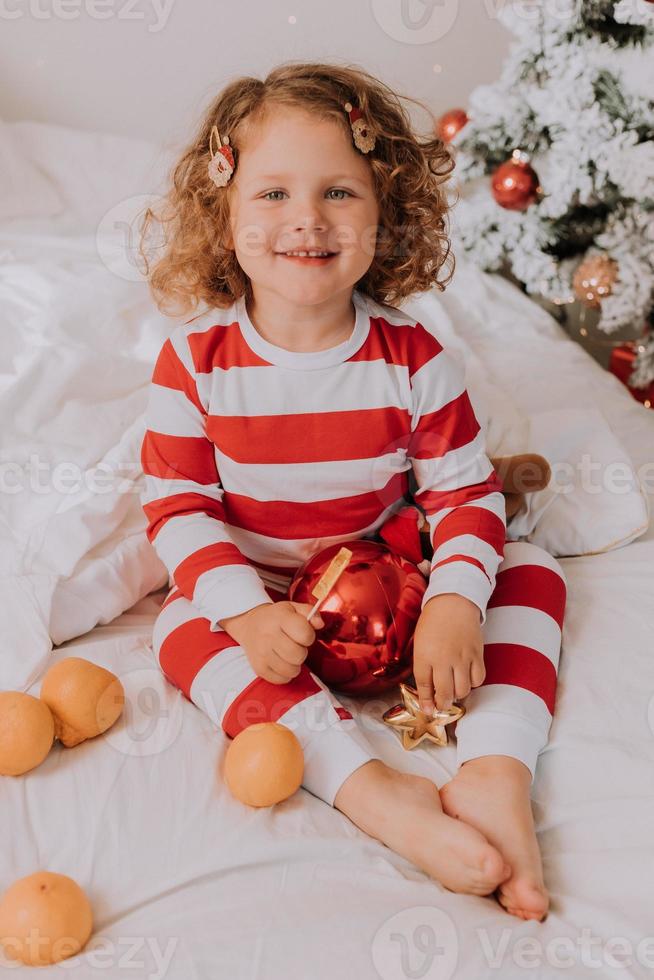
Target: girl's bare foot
{"points": [[492, 794], [404, 812]]}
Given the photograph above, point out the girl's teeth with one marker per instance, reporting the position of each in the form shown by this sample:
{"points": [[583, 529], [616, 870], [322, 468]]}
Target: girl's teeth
{"points": [[312, 254]]}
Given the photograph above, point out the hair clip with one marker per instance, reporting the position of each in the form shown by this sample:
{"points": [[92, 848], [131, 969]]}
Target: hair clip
{"points": [[221, 165], [364, 140]]}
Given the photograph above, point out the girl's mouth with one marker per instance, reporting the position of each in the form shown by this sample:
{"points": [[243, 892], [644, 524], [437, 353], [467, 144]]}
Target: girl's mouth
{"points": [[303, 258]]}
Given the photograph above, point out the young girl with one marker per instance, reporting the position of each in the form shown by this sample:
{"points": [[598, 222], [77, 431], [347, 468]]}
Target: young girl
{"points": [[287, 416]]}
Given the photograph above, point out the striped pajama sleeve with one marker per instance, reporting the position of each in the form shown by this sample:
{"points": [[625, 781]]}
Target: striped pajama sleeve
{"points": [[182, 496], [457, 486]]}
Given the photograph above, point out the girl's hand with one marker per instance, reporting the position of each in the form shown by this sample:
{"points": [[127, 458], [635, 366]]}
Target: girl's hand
{"points": [[276, 637], [448, 651]]}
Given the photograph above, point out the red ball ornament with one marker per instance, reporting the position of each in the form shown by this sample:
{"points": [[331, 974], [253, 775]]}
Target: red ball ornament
{"points": [[449, 124], [515, 183], [370, 615]]}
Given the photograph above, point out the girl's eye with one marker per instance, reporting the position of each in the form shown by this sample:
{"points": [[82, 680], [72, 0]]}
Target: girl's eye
{"points": [[337, 190]]}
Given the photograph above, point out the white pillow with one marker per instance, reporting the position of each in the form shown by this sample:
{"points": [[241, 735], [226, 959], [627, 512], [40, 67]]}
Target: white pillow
{"points": [[101, 178], [594, 501], [504, 425], [24, 191]]}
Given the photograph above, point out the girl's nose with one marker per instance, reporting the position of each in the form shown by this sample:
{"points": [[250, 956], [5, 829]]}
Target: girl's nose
{"points": [[310, 216], [313, 221]]}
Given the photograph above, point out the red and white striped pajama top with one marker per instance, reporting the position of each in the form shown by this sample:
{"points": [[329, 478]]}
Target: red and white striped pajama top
{"points": [[256, 457]]}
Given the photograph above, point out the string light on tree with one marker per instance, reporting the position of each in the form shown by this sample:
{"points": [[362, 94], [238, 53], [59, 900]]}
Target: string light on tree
{"points": [[594, 279]]}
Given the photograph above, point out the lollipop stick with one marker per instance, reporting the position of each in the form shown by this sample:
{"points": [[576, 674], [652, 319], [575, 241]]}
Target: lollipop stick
{"points": [[315, 606], [328, 579]]}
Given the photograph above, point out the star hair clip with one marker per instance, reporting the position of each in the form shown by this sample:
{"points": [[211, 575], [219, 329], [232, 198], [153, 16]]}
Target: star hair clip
{"points": [[221, 165], [364, 140]]}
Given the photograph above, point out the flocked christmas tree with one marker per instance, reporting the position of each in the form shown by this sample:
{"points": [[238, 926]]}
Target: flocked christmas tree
{"points": [[555, 162]]}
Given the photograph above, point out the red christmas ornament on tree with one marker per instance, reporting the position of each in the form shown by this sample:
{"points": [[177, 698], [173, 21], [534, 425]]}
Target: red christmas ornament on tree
{"points": [[370, 615], [449, 124], [515, 183]]}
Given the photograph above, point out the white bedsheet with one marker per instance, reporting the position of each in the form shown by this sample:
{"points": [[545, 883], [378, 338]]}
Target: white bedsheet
{"points": [[187, 883]]}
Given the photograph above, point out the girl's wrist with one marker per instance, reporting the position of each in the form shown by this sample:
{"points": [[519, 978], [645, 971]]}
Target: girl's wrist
{"points": [[234, 624], [453, 599]]}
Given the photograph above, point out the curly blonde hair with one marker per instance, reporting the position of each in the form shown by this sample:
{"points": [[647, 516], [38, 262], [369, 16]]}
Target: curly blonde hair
{"points": [[195, 266]]}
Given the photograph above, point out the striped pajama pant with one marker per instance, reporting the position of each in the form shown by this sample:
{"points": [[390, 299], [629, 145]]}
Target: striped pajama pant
{"points": [[509, 714]]}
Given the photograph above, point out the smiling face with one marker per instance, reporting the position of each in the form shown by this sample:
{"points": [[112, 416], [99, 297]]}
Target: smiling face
{"points": [[300, 184]]}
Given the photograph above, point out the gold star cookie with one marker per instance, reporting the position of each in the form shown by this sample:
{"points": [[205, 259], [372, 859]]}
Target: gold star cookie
{"points": [[415, 725]]}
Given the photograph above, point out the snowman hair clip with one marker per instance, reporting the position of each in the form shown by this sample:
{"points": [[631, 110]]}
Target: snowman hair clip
{"points": [[221, 165]]}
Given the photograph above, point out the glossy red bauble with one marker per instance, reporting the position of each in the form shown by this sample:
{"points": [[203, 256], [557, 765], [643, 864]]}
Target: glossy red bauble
{"points": [[370, 615], [515, 184], [449, 124]]}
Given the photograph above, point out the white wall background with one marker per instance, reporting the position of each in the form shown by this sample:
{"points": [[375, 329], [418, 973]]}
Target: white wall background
{"points": [[149, 67]]}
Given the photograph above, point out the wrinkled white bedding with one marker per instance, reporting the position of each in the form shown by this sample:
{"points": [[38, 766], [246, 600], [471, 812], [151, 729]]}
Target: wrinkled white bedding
{"points": [[185, 882]]}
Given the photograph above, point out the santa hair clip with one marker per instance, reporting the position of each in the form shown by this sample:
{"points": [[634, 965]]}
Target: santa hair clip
{"points": [[221, 165], [364, 140]]}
